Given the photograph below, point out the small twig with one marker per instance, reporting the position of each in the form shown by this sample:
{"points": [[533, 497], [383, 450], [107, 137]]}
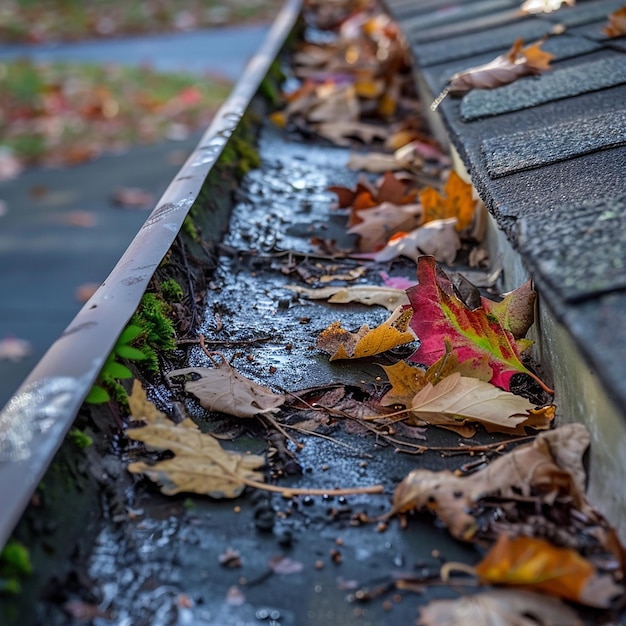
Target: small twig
{"points": [[192, 293]]}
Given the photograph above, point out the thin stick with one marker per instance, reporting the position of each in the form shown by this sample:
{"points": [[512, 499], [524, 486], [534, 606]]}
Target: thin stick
{"points": [[288, 492]]}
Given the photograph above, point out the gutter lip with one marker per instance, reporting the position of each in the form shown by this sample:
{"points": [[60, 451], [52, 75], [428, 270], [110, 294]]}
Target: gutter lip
{"points": [[35, 420]]}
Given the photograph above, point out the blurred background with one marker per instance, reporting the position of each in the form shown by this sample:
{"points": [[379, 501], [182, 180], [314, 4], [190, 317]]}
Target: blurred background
{"points": [[101, 101]]}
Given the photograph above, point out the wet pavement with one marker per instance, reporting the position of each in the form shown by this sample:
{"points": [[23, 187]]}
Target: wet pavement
{"points": [[44, 258]]}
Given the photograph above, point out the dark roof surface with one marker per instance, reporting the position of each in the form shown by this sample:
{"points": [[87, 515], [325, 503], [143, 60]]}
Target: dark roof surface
{"points": [[546, 153]]}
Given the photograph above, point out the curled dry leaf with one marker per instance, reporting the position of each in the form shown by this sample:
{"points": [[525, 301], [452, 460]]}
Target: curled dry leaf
{"points": [[341, 344], [499, 608], [200, 465], [617, 23], [538, 565], [438, 238], [388, 297], [223, 389], [473, 333], [504, 69], [550, 465]]}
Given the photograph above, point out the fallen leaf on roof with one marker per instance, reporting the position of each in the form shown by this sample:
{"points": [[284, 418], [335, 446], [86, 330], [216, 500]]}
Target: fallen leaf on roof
{"points": [[548, 467], [222, 388], [387, 297], [133, 198], [285, 565], [538, 565], [200, 465], [617, 23], [440, 315], [438, 238], [533, 7], [499, 607], [504, 69], [342, 344], [458, 202]]}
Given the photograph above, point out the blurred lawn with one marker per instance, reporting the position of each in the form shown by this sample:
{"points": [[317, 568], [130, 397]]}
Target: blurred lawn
{"points": [[67, 113], [37, 21]]}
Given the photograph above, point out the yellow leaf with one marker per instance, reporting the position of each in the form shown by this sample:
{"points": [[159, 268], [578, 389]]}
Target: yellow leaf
{"points": [[458, 202], [539, 565], [200, 465], [279, 119], [341, 344], [405, 381]]}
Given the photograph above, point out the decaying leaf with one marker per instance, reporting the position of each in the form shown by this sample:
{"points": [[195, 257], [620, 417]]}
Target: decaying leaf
{"points": [[223, 389], [538, 565], [533, 7], [617, 23], [200, 465], [388, 297], [504, 69], [516, 311], [438, 238], [378, 224], [499, 607], [440, 314], [457, 399], [549, 466], [458, 202], [342, 344]]}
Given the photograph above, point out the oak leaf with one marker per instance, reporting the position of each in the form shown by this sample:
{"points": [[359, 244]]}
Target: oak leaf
{"points": [[617, 23], [504, 69], [200, 465], [536, 564], [549, 466], [223, 389], [439, 314], [458, 202], [393, 332], [387, 297], [499, 607], [438, 238]]}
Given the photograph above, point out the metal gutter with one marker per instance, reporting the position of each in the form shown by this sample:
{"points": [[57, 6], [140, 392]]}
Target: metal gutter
{"points": [[34, 422]]}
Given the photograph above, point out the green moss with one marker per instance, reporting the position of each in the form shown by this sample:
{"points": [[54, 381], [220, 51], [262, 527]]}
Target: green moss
{"points": [[190, 228], [171, 290], [14, 565], [79, 438]]}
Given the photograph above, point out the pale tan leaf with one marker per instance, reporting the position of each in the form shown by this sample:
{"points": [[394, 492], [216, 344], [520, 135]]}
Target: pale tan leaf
{"points": [[375, 162], [371, 295], [499, 608], [200, 465], [438, 238], [340, 132], [223, 389], [533, 7], [378, 224]]}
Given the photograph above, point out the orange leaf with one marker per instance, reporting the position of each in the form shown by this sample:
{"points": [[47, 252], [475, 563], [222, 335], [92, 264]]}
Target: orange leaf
{"points": [[617, 23], [341, 344], [537, 564], [458, 202]]}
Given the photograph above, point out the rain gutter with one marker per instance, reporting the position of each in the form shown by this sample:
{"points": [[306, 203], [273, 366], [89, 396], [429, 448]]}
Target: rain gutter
{"points": [[34, 422]]}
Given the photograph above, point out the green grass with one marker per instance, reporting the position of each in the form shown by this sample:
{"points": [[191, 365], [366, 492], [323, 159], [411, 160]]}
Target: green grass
{"points": [[66, 113]]}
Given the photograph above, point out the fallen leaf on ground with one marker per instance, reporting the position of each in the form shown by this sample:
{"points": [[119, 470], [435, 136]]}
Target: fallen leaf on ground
{"points": [[499, 608], [438, 238], [200, 465], [456, 400], [341, 344], [541, 566], [133, 198], [387, 297], [14, 349], [440, 314], [617, 23], [285, 565], [548, 467], [82, 293], [222, 388], [458, 202], [504, 69]]}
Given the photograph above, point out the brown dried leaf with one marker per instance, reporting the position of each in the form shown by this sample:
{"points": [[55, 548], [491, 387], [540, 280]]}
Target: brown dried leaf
{"points": [[499, 608], [617, 23], [133, 198], [370, 295], [200, 465], [223, 389], [550, 465]]}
